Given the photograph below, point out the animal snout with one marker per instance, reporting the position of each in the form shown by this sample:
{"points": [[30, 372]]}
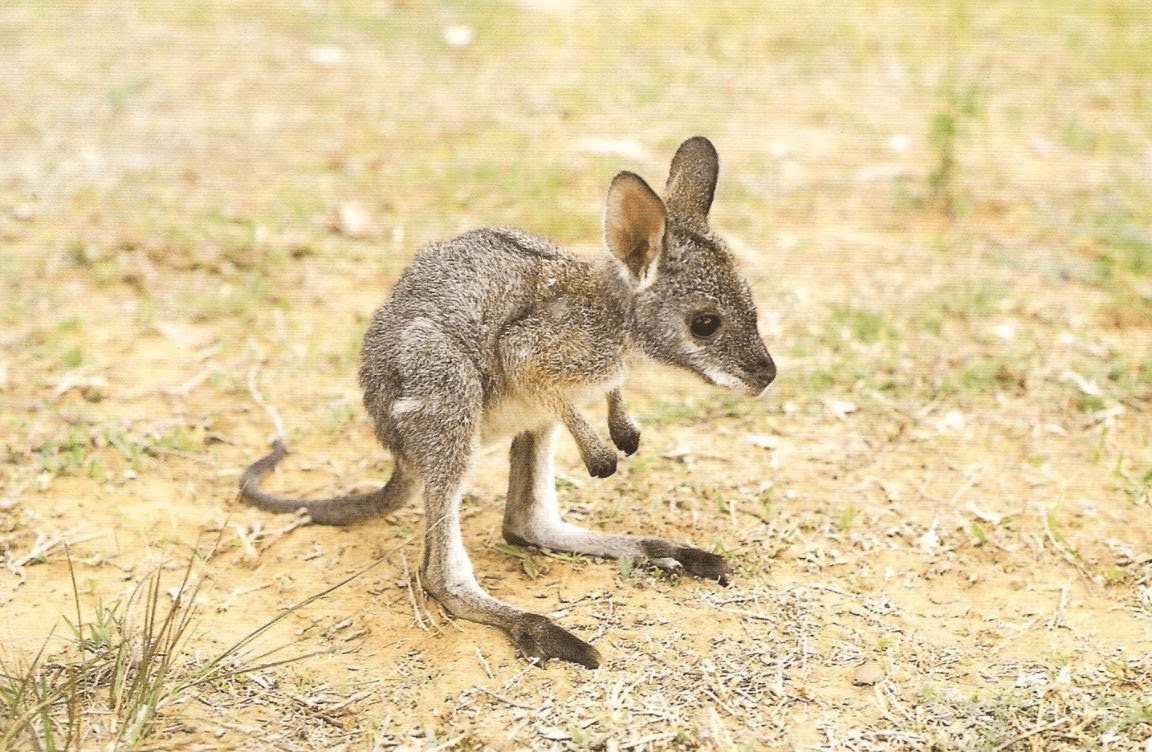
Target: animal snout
{"points": [[763, 374]]}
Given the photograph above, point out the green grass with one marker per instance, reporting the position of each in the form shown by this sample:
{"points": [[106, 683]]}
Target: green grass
{"points": [[1125, 246], [951, 310], [339, 417], [949, 125], [83, 452], [992, 374], [133, 451], [707, 404], [861, 323], [1121, 244], [179, 439], [70, 455], [1137, 486], [524, 556], [847, 516]]}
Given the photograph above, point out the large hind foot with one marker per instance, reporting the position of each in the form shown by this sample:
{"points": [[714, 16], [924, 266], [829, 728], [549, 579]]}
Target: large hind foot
{"points": [[538, 638], [675, 559]]}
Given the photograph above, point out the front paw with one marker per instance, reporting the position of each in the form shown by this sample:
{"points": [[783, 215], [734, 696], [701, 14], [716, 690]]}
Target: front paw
{"points": [[538, 638], [626, 436], [601, 462]]}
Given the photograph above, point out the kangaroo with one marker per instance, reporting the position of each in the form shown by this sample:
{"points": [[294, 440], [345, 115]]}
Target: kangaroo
{"points": [[500, 333]]}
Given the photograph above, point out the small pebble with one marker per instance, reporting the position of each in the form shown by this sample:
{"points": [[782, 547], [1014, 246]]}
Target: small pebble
{"points": [[868, 674], [353, 221]]}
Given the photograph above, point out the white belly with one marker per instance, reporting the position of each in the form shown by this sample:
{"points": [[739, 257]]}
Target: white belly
{"points": [[511, 415]]}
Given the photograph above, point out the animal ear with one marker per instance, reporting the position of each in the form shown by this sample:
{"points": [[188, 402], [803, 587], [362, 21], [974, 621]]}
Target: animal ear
{"points": [[692, 180], [633, 223]]}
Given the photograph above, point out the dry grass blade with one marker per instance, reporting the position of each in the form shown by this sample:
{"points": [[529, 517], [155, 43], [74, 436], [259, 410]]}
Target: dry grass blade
{"points": [[130, 665], [233, 651], [258, 398], [25, 697], [1033, 732]]}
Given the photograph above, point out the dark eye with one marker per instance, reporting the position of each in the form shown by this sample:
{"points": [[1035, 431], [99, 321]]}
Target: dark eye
{"points": [[705, 324]]}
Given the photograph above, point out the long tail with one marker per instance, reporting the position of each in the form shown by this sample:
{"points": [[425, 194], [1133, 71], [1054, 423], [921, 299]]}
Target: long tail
{"points": [[337, 510]]}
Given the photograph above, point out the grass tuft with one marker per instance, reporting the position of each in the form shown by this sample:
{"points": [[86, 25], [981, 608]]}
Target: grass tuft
{"points": [[124, 665]]}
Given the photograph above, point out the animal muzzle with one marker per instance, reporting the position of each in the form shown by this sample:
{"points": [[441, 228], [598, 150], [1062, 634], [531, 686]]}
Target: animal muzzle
{"points": [[760, 375]]}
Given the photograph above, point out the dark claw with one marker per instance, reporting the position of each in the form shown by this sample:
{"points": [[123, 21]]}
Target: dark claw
{"points": [[537, 637]]}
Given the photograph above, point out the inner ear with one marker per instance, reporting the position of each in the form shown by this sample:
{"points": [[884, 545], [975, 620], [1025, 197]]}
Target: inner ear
{"points": [[633, 223]]}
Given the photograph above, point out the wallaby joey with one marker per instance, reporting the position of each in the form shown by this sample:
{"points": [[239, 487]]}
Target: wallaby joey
{"points": [[500, 333]]}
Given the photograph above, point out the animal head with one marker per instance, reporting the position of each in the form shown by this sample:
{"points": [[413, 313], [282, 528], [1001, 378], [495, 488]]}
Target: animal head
{"points": [[691, 307]]}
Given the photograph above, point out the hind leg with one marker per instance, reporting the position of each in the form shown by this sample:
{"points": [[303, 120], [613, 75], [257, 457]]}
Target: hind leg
{"points": [[448, 577], [438, 433], [532, 517]]}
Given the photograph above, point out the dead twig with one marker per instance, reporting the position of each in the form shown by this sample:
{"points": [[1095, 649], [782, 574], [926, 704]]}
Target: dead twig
{"points": [[508, 701], [1038, 730], [1057, 619], [484, 663], [273, 414], [1004, 643], [416, 615], [1067, 555]]}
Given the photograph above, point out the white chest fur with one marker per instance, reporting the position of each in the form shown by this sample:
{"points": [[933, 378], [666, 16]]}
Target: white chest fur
{"points": [[513, 414]]}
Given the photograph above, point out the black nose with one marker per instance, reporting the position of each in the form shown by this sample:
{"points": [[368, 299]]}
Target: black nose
{"points": [[766, 373]]}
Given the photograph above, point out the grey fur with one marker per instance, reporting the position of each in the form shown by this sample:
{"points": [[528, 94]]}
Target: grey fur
{"points": [[499, 333]]}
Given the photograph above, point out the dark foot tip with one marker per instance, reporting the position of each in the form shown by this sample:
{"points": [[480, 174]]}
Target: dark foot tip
{"points": [[537, 637], [629, 447], [703, 564], [627, 441], [693, 561], [602, 469]]}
